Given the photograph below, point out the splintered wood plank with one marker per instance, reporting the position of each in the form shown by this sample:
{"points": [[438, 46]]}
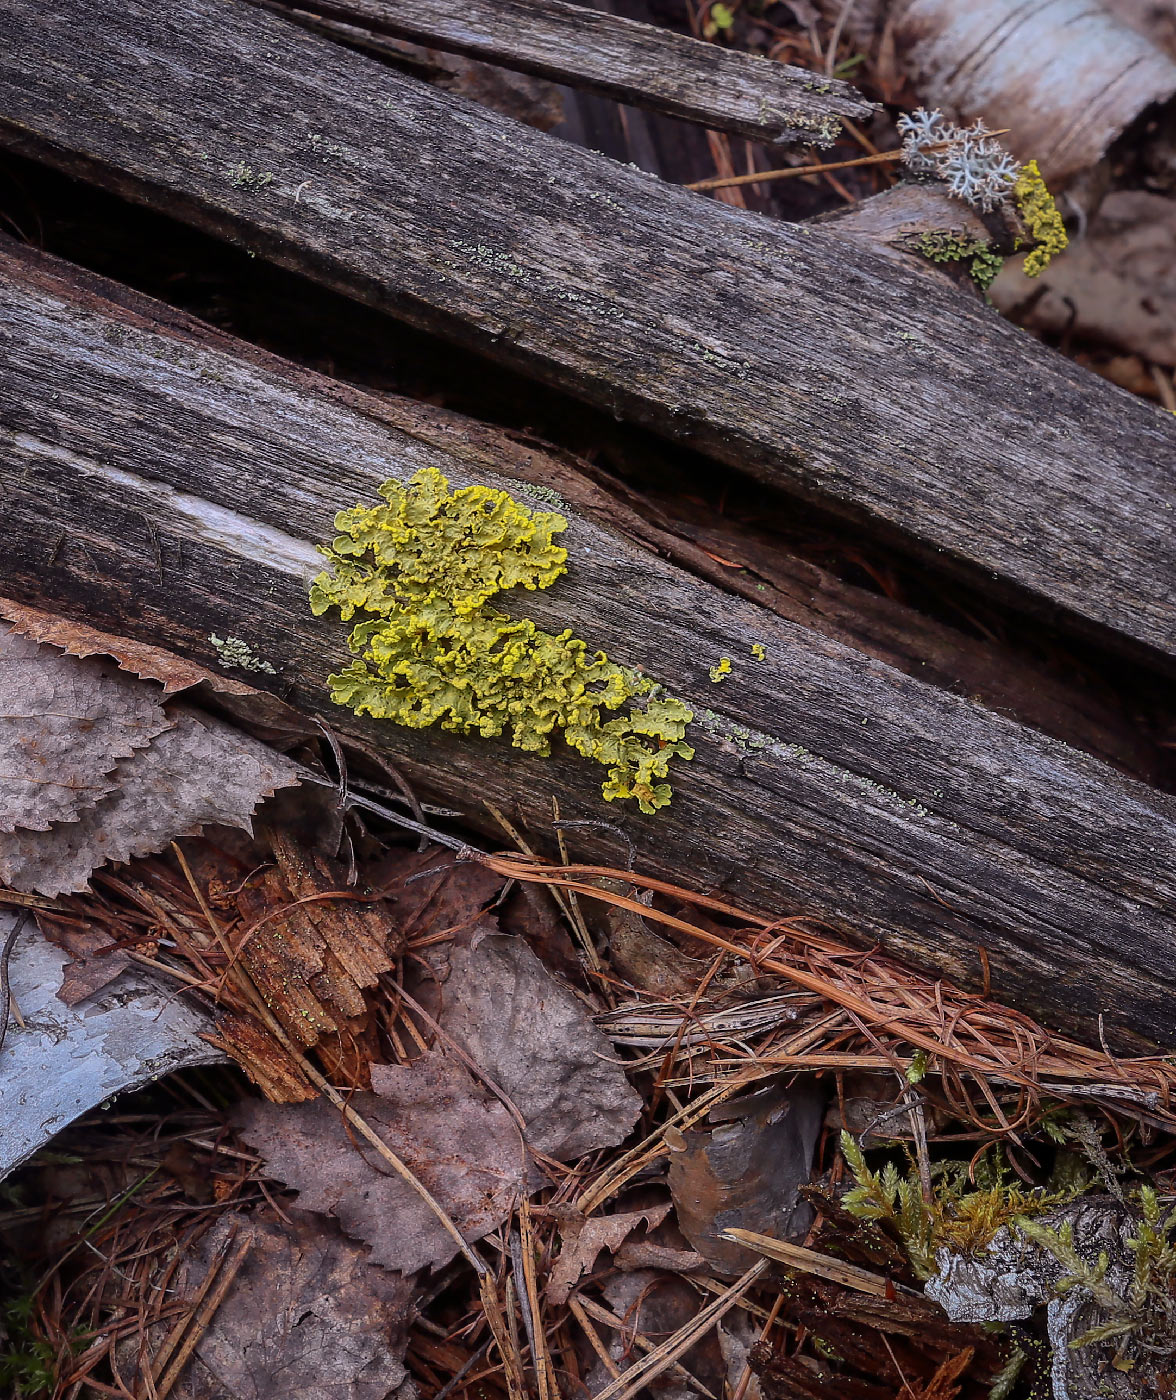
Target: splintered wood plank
{"points": [[783, 350], [636, 63], [162, 482]]}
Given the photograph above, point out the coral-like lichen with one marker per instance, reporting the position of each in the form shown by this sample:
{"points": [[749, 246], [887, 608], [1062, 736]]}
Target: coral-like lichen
{"points": [[1041, 217], [422, 568], [977, 169], [969, 160]]}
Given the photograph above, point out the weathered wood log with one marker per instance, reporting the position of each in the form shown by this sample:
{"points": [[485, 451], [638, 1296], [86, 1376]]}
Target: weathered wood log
{"points": [[162, 481], [785, 351], [620, 58]]}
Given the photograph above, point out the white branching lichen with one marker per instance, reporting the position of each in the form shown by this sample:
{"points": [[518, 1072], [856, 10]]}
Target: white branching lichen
{"points": [[971, 162]]}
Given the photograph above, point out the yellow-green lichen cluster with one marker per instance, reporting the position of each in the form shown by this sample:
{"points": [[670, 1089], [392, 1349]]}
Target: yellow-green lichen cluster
{"points": [[421, 569], [1041, 218], [944, 245]]}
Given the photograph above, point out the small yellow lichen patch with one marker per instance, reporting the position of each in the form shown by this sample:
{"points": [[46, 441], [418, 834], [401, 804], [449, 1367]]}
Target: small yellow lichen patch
{"points": [[423, 567], [722, 670], [1041, 217], [759, 651]]}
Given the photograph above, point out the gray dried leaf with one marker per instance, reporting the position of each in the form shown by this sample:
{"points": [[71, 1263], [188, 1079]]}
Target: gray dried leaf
{"points": [[584, 1239], [453, 1135], [199, 772], [538, 1044], [307, 1317], [64, 725]]}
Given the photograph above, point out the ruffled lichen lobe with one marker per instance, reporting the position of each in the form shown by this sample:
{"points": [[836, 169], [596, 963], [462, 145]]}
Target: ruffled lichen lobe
{"points": [[420, 569], [1040, 216]]}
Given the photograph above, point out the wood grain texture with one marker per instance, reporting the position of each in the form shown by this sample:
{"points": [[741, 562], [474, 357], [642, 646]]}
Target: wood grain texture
{"points": [[161, 482], [783, 350], [641, 64]]}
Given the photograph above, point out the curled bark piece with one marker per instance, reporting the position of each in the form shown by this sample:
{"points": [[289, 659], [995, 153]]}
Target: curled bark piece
{"points": [[65, 1060], [1065, 77]]}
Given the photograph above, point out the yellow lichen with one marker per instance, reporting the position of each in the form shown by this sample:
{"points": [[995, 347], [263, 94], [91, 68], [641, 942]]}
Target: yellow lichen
{"points": [[1041, 219], [422, 567], [722, 670], [759, 651]]}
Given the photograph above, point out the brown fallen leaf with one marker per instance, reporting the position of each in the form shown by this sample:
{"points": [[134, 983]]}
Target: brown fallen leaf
{"points": [[744, 1170], [306, 1316], [257, 712], [583, 1240], [64, 725], [173, 672], [454, 1135], [199, 772], [538, 1044]]}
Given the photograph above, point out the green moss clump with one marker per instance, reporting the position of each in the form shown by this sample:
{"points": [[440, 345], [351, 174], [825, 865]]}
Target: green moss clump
{"points": [[1041, 218], [963, 1214], [422, 568]]}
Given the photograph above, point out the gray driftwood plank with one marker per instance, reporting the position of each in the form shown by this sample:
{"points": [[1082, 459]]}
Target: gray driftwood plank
{"points": [[161, 482], [635, 63], [783, 350]]}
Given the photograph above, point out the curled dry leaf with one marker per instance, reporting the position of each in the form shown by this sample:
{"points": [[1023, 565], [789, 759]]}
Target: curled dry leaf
{"points": [[538, 1044], [64, 725], [458, 1139], [745, 1171], [583, 1239], [199, 772], [150, 663], [306, 1316]]}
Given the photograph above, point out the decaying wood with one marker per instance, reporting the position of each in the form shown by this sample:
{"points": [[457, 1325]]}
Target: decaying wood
{"points": [[620, 58], [781, 350], [161, 484]]}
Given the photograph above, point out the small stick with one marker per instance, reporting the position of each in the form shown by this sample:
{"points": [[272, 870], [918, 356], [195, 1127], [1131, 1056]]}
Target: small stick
{"points": [[164, 1354], [492, 1307], [540, 1355], [664, 1356], [602, 1314], [811, 1261], [7, 1001], [203, 1318], [722, 182]]}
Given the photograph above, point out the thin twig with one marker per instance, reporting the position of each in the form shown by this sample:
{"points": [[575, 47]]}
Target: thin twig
{"points": [[204, 1317], [6, 999], [664, 1356], [721, 182]]}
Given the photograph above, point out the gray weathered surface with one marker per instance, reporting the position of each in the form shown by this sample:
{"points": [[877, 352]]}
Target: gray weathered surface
{"points": [[161, 484], [635, 63], [67, 1060], [782, 350]]}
